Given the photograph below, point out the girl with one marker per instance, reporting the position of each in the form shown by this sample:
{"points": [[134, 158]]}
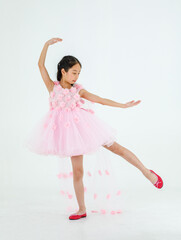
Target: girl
{"points": [[69, 130]]}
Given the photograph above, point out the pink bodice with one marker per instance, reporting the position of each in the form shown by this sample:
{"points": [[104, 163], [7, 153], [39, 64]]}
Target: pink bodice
{"points": [[64, 98]]}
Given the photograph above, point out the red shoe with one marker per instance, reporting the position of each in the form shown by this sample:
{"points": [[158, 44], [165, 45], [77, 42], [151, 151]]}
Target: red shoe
{"points": [[76, 216], [159, 183]]}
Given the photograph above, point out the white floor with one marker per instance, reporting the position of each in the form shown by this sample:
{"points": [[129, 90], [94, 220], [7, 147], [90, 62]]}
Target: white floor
{"points": [[33, 214]]}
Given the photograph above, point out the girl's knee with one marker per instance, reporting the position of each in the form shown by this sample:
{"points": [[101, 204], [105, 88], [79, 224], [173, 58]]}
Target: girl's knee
{"points": [[78, 174], [112, 147], [116, 148]]}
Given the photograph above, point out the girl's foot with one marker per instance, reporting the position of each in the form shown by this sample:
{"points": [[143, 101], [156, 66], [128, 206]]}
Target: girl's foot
{"points": [[154, 178], [80, 212], [151, 176]]}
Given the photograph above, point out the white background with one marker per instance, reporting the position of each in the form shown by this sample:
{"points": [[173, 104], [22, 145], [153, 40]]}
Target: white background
{"points": [[129, 50]]}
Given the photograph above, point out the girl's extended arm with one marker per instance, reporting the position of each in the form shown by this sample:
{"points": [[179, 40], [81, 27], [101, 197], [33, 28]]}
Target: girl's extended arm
{"points": [[46, 78], [104, 101]]}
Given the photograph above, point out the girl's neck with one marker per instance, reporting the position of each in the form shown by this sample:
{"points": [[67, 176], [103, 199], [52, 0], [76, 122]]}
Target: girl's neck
{"points": [[64, 84]]}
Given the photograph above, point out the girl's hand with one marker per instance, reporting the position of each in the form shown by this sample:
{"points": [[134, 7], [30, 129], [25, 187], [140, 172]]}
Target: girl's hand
{"points": [[53, 40], [131, 104]]}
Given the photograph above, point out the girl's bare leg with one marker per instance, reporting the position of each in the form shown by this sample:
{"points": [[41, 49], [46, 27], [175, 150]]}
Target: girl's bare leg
{"points": [[131, 158], [77, 165]]}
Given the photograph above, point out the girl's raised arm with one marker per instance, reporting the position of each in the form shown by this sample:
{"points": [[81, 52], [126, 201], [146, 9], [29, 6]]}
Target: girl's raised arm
{"points": [[46, 78]]}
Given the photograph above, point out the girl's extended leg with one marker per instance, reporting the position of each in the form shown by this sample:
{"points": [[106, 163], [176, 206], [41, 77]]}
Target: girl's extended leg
{"points": [[77, 165], [131, 158]]}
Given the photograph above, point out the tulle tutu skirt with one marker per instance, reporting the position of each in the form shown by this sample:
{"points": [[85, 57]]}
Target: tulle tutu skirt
{"points": [[80, 132], [70, 133]]}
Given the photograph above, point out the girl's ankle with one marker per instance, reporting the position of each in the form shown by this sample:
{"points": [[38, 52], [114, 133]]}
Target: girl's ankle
{"points": [[82, 209]]}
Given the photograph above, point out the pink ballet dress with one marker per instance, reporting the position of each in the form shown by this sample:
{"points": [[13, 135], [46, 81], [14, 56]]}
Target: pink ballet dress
{"points": [[68, 129]]}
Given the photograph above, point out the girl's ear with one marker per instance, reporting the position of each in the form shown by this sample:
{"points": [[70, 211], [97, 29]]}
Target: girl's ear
{"points": [[63, 71]]}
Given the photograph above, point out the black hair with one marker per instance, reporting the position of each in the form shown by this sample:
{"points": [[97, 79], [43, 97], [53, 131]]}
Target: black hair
{"points": [[66, 62]]}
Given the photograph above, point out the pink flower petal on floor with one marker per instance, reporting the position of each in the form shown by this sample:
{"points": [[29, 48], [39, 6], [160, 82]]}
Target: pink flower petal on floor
{"points": [[89, 173], [108, 196], [65, 175], [100, 173], [119, 192], [119, 211], [70, 196], [95, 195], [94, 211], [103, 211], [113, 212], [107, 172], [59, 175]]}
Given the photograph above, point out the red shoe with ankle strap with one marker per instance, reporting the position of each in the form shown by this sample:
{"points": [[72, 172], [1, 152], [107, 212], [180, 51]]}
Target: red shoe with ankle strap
{"points": [[77, 216], [159, 183]]}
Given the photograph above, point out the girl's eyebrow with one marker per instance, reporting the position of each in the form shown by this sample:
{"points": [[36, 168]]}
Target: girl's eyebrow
{"points": [[75, 70]]}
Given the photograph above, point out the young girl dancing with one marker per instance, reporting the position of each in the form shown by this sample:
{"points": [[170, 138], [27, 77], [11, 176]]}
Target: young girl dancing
{"points": [[69, 130]]}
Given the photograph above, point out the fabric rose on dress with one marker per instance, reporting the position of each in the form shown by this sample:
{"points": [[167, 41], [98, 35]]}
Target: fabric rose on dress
{"points": [[82, 101], [62, 104], [58, 87], [78, 86], [73, 90], [78, 104], [52, 94], [91, 111], [73, 105], [65, 91], [67, 98], [54, 104], [60, 96], [56, 82], [58, 108], [67, 109], [76, 119], [67, 124], [60, 117], [54, 126], [77, 96]]}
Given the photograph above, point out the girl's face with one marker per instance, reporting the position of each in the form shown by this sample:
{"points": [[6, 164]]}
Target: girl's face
{"points": [[73, 73]]}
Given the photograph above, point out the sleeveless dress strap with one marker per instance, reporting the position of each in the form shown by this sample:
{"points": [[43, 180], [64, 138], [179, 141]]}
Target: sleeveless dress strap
{"points": [[56, 82], [79, 86]]}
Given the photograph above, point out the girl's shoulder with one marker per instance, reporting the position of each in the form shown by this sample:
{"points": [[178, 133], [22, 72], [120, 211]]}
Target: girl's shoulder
{"points": [[78, 85]]}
